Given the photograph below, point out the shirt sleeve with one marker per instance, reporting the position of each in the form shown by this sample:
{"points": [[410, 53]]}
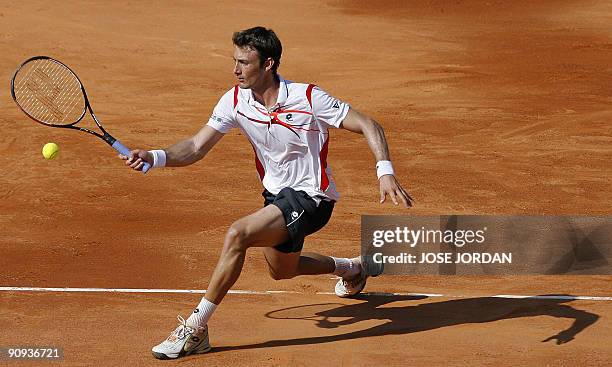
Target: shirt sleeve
{"points": [[222, 118], [328, 109]]}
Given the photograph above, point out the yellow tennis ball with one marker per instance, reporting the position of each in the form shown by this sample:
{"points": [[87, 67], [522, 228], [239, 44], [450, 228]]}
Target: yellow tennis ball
{"points": [[50, 150]]}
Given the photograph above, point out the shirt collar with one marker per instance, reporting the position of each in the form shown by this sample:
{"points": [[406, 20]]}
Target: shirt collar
{"points": [[283, 94]]}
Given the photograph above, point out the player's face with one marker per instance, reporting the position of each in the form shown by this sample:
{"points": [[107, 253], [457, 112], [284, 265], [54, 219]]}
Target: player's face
{"points": [[247, 68]]}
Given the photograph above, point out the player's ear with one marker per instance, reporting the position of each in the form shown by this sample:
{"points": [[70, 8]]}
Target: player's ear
{"points": [[268, 64]]}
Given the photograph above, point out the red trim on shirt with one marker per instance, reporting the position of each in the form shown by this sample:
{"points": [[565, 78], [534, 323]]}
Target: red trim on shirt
{"points": [[236, 96], [251, 119], [309, 93], [323, 160], [258, 165], [292, 111]]}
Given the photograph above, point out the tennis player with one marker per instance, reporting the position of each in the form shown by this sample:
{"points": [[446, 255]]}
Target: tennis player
{"points": [[288, 126]]}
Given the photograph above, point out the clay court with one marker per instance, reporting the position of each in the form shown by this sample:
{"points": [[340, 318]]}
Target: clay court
{"points": [[489, 107]]}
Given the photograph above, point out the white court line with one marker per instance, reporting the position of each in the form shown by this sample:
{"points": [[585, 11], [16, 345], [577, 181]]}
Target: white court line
{"points": [[247, 292]]}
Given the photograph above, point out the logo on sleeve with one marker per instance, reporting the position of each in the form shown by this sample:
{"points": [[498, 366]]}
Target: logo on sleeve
{"points": [[336, 104]]}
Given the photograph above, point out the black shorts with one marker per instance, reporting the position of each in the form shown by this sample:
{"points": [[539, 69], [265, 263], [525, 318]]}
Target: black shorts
{"points": [[302, 215]]}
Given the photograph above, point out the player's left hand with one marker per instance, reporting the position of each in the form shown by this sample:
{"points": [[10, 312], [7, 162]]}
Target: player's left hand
{"points": [[390, 186]]}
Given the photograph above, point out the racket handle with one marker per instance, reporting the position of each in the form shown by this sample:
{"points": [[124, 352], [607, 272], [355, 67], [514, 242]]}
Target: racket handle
{"points": [[125, 151]]}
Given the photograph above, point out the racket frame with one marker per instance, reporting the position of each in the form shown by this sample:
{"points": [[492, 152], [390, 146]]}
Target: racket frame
{"points": [[105, 136]]}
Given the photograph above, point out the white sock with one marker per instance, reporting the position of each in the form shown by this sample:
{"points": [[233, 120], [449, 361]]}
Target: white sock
{"points": [[346, 268], [202, 313]]}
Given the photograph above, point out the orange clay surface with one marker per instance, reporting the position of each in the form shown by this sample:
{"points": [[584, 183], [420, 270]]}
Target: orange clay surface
{"points": [[496, 107]]}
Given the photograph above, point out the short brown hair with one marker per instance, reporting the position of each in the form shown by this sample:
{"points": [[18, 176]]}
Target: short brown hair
{"points": [[264, 41]]}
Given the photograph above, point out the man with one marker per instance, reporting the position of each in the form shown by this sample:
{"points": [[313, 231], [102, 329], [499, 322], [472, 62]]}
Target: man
{"points": [[287, 124]]}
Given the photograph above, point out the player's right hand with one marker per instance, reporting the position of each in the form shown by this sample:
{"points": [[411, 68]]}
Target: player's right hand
{"points": [[137, 159]]}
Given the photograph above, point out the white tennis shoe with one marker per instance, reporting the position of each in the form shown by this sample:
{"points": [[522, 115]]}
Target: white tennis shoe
{"points": [[354, 285], [184, 340]]}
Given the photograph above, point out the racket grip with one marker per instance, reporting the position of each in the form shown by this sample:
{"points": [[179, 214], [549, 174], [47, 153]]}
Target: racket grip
{"points": [[125, 151]]}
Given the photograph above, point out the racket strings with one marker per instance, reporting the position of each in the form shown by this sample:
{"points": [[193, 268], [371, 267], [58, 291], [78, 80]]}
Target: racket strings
{"points": [[63, 96], [50, 93], [69, 100], [44, 100], [54, 82], [42, 93], [33, 89]]}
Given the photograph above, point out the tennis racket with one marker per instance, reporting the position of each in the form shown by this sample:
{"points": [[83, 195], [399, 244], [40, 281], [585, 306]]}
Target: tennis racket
{"points": [[50, 93]]}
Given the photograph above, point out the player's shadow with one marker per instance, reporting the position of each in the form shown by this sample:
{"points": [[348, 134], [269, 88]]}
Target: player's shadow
{"points": [[424, 316]]}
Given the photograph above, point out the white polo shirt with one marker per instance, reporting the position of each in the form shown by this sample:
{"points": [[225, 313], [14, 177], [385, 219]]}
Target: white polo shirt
{"points": [[291, 140]]}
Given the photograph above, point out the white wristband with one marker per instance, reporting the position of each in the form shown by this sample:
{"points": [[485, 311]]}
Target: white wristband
{"points": [[159, 158], [384, 168]]}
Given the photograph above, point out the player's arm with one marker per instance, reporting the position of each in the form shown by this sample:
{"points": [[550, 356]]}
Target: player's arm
{"points": [[183, 153], [375, 136]]}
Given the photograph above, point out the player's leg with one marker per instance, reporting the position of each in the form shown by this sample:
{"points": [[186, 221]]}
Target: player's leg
{"points": [[266, 227], [304, 216], [282, 245], [288, 265]]}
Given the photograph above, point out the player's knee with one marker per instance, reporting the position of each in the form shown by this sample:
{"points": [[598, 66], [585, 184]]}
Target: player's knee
{"points": [[235, 238]]}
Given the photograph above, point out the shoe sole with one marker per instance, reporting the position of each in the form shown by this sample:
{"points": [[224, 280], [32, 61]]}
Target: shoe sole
{"points": [[361, 290], [181, 354]]}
